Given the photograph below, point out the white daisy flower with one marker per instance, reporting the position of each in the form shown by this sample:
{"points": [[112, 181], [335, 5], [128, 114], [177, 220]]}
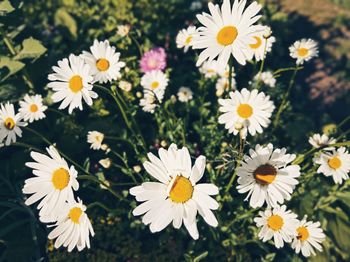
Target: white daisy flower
{"points": [[209, 69], [95, 138], [335, 164], [155, 81], [71, 82], [223, 84], [303, 50], [177, 197], [123, 30], [73, 227], [185, 94], [267, 78], [10, 124], [262, 45], [184, 38], [317, 140], [53, 183], [32, 108], [227, 31], [309, 236], [104, 61], [250, 108], [267, 175], [277, 223], [148, 102]]}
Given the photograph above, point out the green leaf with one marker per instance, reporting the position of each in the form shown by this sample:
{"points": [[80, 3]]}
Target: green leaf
{"points": [[200, 257], [12, 65], [5, 7], [340, 231], [31, 48], [63, 18]]}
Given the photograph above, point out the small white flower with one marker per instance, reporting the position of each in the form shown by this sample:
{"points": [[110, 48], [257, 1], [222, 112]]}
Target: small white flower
{"points": [[303, 50], [125, 86], [223, 84], [317, 140], [309, 236], [184, 38], [73, 227], [123, 30], [106, 148], [106, 162], [185, 94], [72, 82], [210, 69], [262, 45], [32, 108], [277, 223], [176, 197], [155, 81], [335, 164], [95, 138], [10, 124], [148, 102], [104, 61], [250, 108], [267, 78]]}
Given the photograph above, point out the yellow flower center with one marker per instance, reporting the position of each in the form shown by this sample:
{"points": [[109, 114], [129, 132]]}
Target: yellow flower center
{"points": [[275, 222], [244, 110], [33, 108], [74, 214], [102, 64], [265, 174], [334, 162], [76, 83], [9, 123], [60, 178], [188, 40], [227, 35], [154, 85], [181, 190], [303, 233], [257, 44], [303, 52]]}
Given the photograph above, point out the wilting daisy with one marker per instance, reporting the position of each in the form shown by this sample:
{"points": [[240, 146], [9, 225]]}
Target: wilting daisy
{"points": [[73, 227], [185, 94], [10, 124], [267, 78], [32, 108], [335, 164], [176, 197], [53, 183], [309, 236], [125, 86], [227, 31], [148, 102], [154, 59], [156, 82], [277, 223], [104, 61], [250, 108], [95, 138], [303, 50], [262, 45], [267, 175], [72, 82], [223, 84], [184, 38], [317, 140]]}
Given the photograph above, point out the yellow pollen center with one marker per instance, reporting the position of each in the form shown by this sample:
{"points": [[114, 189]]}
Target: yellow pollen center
{"points": [[188, 40], [33, 108], [227, 35], [275, 222], [334, 162], [76, 83], [154, 85], [244, 110], [257, 44], [265, 174], [181, 190], [60, 178], [303, 233], [102, 64], [74, 214], [9, 123], [303, 51]]}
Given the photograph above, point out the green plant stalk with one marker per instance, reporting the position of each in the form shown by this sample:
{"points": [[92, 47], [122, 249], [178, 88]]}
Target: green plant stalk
{"points": [[281, 70], [230, 73], [262, 65], [98, 181], [240, 157]]}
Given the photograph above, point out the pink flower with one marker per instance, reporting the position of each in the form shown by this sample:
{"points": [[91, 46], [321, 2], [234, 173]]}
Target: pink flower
{"points": [[155, 59]]}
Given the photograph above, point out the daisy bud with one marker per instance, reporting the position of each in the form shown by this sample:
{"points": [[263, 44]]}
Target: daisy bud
{"points": [[137, 169], [106, 162]]}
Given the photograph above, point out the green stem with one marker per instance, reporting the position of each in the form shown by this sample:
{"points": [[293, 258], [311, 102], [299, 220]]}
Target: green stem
{"points": [[96, 180], [240, 157], [262, 65], [230, 73], [281, 70], [137, 44], [99, 204]]}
